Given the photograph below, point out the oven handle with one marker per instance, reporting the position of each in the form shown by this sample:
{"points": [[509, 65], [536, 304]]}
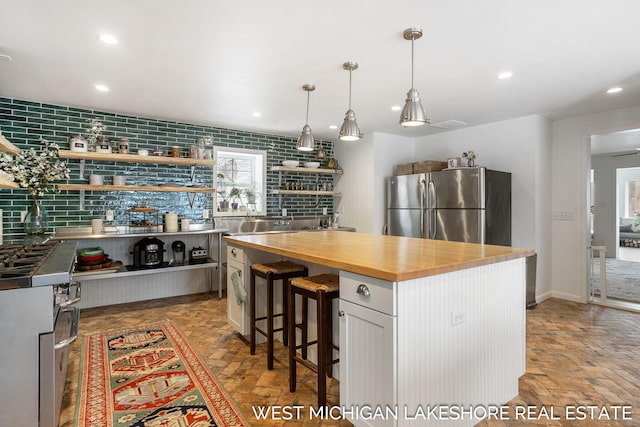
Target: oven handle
{"points": [[75, 299], [73, 335]]}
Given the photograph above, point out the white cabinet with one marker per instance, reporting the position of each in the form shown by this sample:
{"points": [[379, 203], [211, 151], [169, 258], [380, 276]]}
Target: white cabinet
{"points": [[238, 316], [368, 361], [452, 339], [368, 351], [235, 310]]}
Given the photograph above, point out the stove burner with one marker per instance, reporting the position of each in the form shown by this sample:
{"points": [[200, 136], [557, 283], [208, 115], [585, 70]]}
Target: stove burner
{"points": [[18, 263]]}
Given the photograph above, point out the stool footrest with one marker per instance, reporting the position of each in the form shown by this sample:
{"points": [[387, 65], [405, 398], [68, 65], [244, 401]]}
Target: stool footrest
{"points": [[264, 333], [265, 317]]}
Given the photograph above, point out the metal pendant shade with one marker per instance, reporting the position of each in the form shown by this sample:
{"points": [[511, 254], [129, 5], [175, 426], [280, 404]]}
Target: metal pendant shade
{"points": [[413, 113], [350, 130], [305, 140]]}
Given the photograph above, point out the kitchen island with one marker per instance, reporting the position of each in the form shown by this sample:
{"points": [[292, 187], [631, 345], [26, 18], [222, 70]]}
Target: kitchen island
{"points": [[424, 325]]}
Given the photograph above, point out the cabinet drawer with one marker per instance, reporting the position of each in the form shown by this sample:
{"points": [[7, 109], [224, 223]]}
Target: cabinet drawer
{"points": [[235, 253], [369, 292]]}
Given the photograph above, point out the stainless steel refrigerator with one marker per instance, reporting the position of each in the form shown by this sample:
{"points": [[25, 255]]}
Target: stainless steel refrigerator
{"points": [[463, 204]]}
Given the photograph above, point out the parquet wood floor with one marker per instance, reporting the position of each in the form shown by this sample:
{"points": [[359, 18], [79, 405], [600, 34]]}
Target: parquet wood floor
{"points": [[576, 355]]}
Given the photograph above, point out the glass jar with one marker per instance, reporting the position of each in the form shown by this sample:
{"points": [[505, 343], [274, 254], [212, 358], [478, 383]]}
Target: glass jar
{"points": [[78, 143], [103, 145], [123, 146], [193, 151], [175, 151]]}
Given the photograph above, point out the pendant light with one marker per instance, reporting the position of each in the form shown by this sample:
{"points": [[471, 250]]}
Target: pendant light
{"points": [[305, 140], [349, 130], [413, 113]]}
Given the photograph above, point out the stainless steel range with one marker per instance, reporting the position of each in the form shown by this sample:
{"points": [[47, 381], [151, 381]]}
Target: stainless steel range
{"points": [[37, 324]]}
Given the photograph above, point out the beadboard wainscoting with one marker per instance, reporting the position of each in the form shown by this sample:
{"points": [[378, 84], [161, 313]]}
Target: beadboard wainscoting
{"points": [[466, 350]]}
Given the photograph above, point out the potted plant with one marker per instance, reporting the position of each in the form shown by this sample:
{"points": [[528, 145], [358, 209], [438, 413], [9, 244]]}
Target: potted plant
{"points": [[251, 192], [234, 196], [36, 171], [223, 205]]}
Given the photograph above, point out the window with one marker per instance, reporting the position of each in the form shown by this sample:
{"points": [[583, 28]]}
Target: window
{"points": [[241, 181], [633, 198]]}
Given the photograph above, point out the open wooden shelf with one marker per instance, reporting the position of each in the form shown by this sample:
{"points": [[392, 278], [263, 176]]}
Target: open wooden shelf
{"points": [[134, 158], [8, 147], [73, 187], [305, 170], [5, 183]]}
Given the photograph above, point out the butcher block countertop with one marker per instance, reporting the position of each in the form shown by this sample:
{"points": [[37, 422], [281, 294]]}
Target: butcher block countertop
{"points": [[385, 257]]}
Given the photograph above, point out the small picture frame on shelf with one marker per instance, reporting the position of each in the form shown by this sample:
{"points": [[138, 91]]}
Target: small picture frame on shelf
{"points": [[453, 162]]}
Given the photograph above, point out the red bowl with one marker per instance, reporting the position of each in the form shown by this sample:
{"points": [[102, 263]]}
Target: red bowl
{"points": [[90, 258]]}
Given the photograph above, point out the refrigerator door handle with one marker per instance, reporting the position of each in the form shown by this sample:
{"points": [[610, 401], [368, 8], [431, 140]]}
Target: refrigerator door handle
{"points": [[422, 197], [432, 210]]}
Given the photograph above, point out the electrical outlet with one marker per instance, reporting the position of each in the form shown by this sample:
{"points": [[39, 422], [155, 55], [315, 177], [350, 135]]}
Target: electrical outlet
{"points": [[458, 317], [563, 215], [324, 211], [22, 215], [205, 213]]}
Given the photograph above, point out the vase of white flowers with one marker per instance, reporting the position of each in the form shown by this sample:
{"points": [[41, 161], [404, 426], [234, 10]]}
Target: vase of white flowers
{"points": [[36, 172]]}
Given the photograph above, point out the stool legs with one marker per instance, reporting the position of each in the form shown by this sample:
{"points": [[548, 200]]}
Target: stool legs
{"points": [[269, 331], [285, 311], [323, 348], [324, 340], [269, 322], [252, 312], [305, 323], [291, 308]]}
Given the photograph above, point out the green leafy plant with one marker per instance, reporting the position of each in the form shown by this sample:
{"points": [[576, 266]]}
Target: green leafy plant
{"points": [[36, 171]]}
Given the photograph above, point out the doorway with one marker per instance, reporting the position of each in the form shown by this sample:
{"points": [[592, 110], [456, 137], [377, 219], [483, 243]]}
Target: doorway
{"points": [[614, 264]]}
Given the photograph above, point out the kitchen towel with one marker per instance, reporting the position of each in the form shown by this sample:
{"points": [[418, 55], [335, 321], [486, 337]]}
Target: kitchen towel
{"points": [[241, 294]]}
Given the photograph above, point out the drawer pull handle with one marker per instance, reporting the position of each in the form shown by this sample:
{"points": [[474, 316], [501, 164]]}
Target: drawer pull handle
{"points": [[363, 290], [341, 313], [234, 252]]}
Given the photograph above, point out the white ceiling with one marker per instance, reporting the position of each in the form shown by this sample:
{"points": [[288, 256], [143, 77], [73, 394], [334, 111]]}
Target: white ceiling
{"points": [[216, 62]]}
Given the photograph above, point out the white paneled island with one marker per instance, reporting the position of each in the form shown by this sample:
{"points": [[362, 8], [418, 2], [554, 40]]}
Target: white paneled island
{"points": [[430, 332]]}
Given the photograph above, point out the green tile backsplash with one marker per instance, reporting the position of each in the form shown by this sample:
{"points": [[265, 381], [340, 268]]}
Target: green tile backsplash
{"points": [[24, 122]]}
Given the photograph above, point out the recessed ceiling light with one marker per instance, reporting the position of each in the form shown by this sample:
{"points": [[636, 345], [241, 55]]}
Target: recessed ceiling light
{"points": [[333, 127], [101, 88], [615, 90], [108, 39], [257, 114], [505, 75], [396, 108]]}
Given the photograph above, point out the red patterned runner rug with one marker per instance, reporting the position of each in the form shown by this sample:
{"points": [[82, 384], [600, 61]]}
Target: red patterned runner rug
{"points": [[149, 376]]}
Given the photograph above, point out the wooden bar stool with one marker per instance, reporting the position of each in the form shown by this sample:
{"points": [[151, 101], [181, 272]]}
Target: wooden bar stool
{"points": [[283, 270], [323, 288]]}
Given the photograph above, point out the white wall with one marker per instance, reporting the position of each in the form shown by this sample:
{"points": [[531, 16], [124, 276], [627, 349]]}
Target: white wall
{"points": [[571, 165], [521, 146], [366, 164]]}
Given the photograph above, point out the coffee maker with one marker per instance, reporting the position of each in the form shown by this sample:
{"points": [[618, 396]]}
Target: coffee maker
{"points": [[178, 247], [148, 253]]}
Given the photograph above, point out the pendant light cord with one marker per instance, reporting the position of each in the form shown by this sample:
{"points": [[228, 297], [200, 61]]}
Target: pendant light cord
{"points": [[349, 88], [307, 121], [412, 39]]}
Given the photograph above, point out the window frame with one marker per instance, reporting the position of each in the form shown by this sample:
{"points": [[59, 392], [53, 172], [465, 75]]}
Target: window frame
{"points": [[261, 206]]}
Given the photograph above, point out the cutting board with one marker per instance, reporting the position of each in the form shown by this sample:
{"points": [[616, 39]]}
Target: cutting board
{"points": [[115, 266]]}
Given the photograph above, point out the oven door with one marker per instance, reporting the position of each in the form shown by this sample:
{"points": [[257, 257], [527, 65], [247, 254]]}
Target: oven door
{"points": [[54, 358]]}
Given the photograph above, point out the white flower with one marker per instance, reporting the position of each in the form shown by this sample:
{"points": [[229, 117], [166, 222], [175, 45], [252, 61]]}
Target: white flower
{"points": [[469, 155], [35, 171], [95, 131]]}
